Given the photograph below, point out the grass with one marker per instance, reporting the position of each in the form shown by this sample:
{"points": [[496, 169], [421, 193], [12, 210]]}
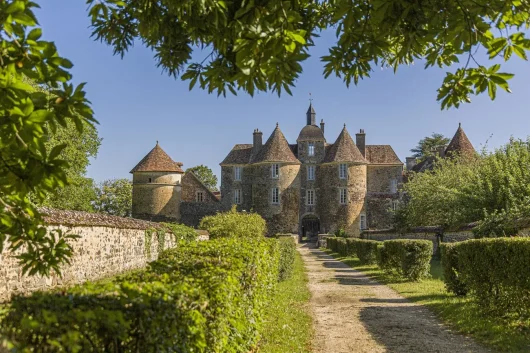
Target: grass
{"points": [[288, 325], [507, 334]]}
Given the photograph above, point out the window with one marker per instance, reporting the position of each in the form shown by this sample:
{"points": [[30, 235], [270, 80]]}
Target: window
{"points": [[393, 186], [362, 223], [237, 173], [310, 197], [150, 180], [310, 149], [310, 172], [275, 171], [395, 204], [275, 196], [199, 196], [237, 196], [343, 171], [343, 196]]}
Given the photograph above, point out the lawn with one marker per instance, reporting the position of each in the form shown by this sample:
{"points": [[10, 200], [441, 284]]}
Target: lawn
{"points": [[288, 325], [507, 334]]}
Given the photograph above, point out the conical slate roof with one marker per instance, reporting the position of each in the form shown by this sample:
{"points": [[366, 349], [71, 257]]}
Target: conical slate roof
{"points": [[157, 161], [311, 133], [460, 144], [311, 110], [344, 150], [276, 149]]}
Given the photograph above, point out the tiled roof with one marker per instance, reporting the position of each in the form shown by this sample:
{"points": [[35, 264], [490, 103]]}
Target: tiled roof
{"points": [[157, 161], [381, 154], [460, 144], [311, 133], [344, 150], [426, 164], [240, 154], [276, 149]]}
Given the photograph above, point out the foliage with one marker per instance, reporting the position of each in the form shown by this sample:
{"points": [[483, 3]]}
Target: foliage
{"points": [[493, 189], [288, 322], [496, 273], [114, 197], [451, 269], [366, 250], [287, 255], [428, 146], [180, 232], [340, 233], [408, 258], [202, 296], [205, 175], [29, 117], [234, 224], [254, 46]]}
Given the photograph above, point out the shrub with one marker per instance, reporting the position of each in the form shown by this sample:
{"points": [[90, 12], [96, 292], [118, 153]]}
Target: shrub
{"points": [[287, 255], [366, 250], [496, 272], [180, 231], [451, 269], [409, 258], [234, 224], [382, 258], [331, 243], [202, 296]]}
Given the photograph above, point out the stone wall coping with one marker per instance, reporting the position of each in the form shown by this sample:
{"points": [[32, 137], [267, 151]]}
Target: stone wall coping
{"points": [[423, 229]]}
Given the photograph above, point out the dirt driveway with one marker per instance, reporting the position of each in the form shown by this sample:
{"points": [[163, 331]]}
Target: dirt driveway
{"points": [[353, 313]]}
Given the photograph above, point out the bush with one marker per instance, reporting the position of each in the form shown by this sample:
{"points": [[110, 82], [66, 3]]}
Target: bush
{"points": [[234, 224], [496, 272], [366, 250], [408, 258], [203, 296], [180, 231], [287, 255], [382, 258], [451, 269]]}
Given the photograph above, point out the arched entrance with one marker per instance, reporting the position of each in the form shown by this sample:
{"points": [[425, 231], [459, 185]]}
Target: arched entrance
{"points": [[310, 226]]}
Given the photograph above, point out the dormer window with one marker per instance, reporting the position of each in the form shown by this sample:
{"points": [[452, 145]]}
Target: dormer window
{"points": [[275, 171], [343, 171], [237, 173], [310, 149]]}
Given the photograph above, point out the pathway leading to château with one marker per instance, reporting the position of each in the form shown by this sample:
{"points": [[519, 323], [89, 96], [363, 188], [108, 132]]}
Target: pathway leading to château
{"points": [[354, 314]]}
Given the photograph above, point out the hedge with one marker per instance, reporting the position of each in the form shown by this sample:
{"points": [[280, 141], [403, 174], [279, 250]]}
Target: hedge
{"points": [[287, 255], [203, 296], [451, 269], [495, 271], [234, 224], [408, 258], [366, 250]]}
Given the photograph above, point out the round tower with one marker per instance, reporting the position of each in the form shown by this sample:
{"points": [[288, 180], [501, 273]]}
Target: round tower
{"points": [[157, 187]]}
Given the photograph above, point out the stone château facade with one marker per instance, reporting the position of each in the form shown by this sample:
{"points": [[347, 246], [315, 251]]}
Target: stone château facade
{"points": [[313, 186]]}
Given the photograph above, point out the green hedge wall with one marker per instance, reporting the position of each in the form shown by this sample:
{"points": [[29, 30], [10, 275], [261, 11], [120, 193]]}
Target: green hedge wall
{"points": [[234, 224], [366, 250], [451, 269], [287, 255], [201, 297], [408, 258], [495, 271]]}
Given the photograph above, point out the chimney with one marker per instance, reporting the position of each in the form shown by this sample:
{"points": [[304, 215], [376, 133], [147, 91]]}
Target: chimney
{"points": [[360, 141], [257, 141], [322, 125], [440, 151], [411, 162]]}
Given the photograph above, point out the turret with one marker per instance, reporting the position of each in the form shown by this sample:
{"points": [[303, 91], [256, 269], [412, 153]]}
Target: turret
{"points": [[311, 115]]}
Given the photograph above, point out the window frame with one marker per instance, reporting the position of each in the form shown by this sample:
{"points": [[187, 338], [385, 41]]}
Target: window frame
{"points": [[237, 196], [275, 171], [275, 194], [342, 175], [238, 171], [341, 190], [311, 149], [197, 193], [309, 198], [393, 185], [395, 204], [362, 219], [311, 176]]}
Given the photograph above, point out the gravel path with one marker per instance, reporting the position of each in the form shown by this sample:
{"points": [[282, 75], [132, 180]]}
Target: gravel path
{"points": [[353, 313]]}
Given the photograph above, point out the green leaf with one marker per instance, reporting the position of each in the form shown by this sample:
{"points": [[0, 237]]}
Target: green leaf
{"points": [[40, 116]]}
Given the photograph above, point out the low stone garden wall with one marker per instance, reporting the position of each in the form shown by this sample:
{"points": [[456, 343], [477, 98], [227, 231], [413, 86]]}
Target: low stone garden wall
{"points": [[107, 246]]}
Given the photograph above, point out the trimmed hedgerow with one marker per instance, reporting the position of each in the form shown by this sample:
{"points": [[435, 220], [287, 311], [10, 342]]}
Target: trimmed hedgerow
{"points": [[408, 258], [497, 273], [202, 296], [234, 224], [287, 255], [366, 250], [451, 269]]}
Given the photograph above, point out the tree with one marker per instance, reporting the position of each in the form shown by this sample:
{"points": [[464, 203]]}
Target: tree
{"points": [[27, 119], [259, 45], [205, 175], [114, 197], [428, 145]]}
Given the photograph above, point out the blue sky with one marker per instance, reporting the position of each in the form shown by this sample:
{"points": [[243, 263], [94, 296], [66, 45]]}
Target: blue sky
{"points": [[136, 104]]}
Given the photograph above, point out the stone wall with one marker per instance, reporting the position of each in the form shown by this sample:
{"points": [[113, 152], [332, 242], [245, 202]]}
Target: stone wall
{"points": [[107, 246], [379, 196], [191, 186], [191, 213]]}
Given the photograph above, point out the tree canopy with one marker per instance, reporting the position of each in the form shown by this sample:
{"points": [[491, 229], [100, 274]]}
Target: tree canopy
{"points": [[205, 175], [427, 146], [114, 197], [259, 45]]}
